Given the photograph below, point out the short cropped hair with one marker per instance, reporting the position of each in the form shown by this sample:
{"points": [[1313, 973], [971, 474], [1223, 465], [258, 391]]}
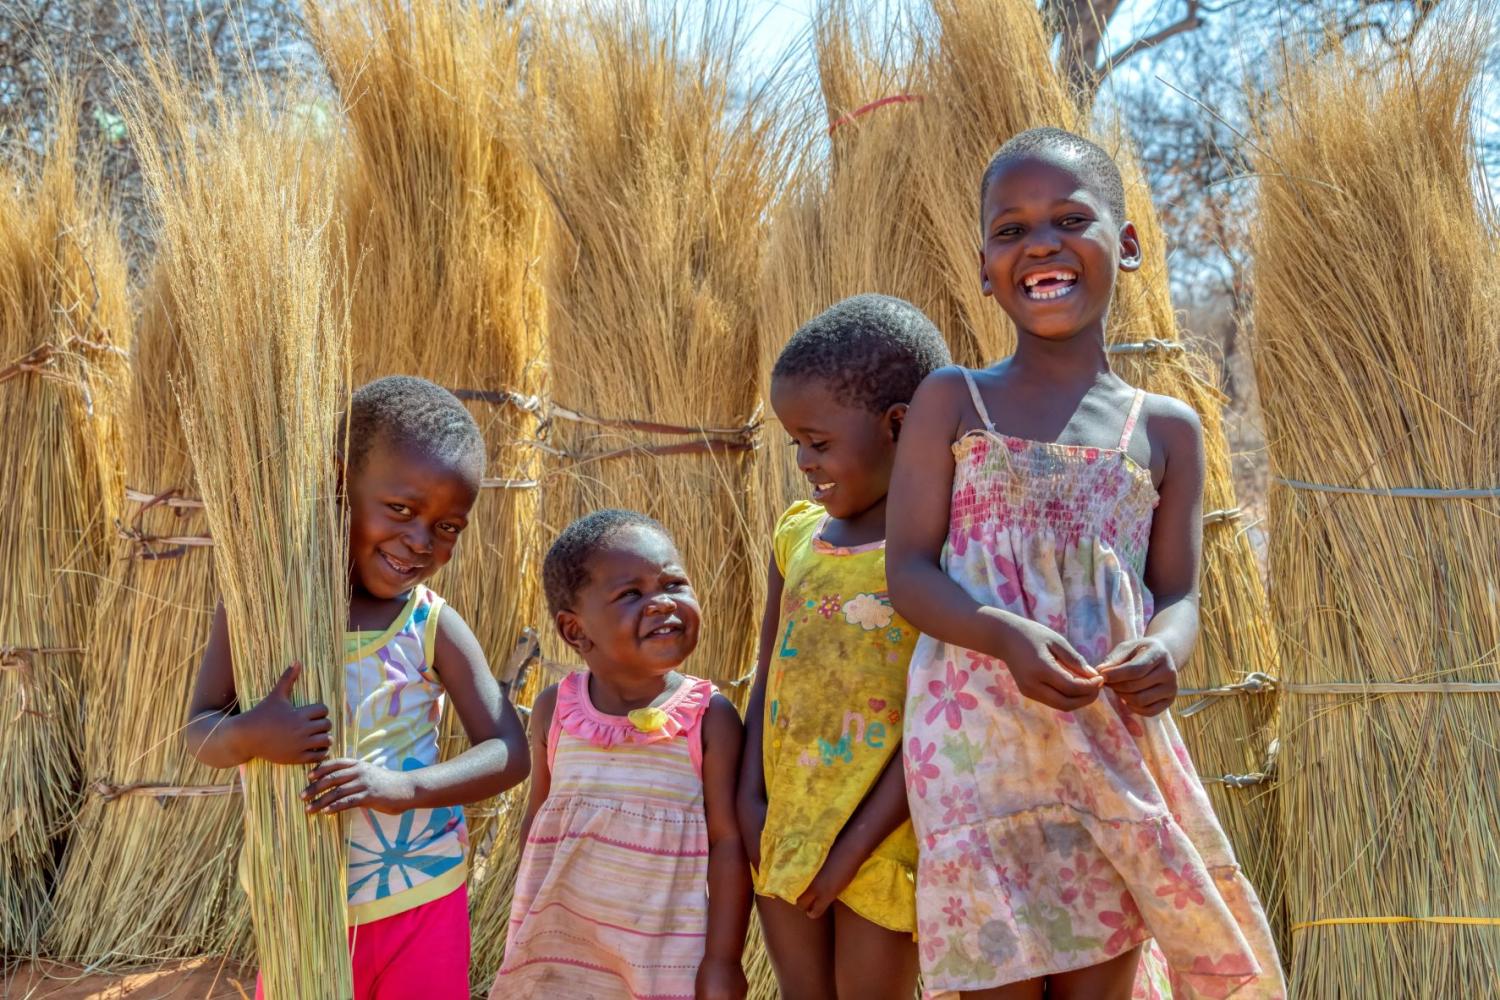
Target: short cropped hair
{"points": [[1099, 168], [872, 351], [565, 571], [410, 412]]}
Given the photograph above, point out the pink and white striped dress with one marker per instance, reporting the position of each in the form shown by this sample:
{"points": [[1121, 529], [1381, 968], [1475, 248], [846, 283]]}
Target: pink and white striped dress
{"points": [[612, 896]]}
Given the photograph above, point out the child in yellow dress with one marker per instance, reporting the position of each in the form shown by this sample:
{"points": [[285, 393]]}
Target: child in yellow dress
{"points": [[822, 802]]}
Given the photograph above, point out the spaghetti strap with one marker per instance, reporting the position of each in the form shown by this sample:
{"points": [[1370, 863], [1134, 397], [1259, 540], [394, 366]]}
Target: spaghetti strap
{"points": [[1130, 421], [984, 414]]}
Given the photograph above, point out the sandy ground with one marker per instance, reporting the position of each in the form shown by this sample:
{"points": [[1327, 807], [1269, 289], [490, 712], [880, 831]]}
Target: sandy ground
{"points": [[201, 979]]}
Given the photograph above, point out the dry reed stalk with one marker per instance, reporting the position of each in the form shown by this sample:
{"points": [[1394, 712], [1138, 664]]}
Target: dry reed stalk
{"points": [[64, 334], [122, 900], [1377, 349], [450, 228], [252, 261], [982, 71]]}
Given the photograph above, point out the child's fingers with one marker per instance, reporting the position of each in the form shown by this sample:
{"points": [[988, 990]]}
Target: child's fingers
{"points": [[1063, 653], [317, 710], [349, 794], [288, 678], [1054, 698], [327, 777], [328, 767], [1136, 675], [1153, 700], [1068, 683]]}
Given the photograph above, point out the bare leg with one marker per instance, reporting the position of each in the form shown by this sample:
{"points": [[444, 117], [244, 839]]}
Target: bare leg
{"points": [[872, 962], [1112, 980], [800, 948]]}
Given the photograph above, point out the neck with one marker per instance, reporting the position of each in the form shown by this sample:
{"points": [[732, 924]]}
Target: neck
{"points": [[863, 528], [619, 695], [1078, 360]]}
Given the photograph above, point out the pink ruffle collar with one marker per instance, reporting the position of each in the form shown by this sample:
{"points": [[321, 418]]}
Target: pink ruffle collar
{"points": [[579, 718]]}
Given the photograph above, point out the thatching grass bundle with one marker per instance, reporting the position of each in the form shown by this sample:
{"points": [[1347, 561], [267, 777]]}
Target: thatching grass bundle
{"points": [[252, 263], [122, 900], [1377, 349], [661, 175], [449, 227], [972, 74], [64, 331]]}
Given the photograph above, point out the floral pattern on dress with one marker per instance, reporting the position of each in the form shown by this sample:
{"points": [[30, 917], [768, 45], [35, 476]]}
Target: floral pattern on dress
{"points": [[1054, 841]]}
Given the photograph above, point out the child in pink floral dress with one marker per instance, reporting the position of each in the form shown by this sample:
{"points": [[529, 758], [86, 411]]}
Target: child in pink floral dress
{"points": [[1045, 538]]}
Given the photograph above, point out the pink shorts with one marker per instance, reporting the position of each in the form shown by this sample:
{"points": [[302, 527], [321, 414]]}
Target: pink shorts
{"points": [[422, 952]]}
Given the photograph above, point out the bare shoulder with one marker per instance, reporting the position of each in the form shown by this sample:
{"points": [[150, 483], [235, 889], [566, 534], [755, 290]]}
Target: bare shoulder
{"points": [[940, 403], [722, 720], [1172, 422], [454, 635], [542, 710]]}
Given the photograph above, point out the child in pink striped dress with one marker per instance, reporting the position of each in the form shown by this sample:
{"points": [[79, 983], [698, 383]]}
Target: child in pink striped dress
{"points": [[633, 880]]}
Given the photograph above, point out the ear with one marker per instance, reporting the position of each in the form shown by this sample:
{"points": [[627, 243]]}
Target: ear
{"points": [[571, 630], [1130, 248], [894, 417], [984, 279]]}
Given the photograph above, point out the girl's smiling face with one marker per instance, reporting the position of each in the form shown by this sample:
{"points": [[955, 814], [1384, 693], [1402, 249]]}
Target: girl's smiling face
{"points": [[406, 510], [1052, 247], [846, 452], [637, 616]]}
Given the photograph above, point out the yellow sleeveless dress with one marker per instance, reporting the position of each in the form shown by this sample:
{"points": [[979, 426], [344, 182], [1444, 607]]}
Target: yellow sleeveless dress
{"points": [[835, 700]]}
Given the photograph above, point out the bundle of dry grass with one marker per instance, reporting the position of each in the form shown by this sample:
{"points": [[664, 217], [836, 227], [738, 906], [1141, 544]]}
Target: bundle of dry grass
{"points": [[252, 261], [449, 228], [971, 74], [1377, 348], [660, 176], [122, 900], [64, 331]]}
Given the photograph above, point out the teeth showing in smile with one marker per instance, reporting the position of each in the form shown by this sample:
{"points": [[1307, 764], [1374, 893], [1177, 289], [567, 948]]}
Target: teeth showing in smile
{"points": [[665, 630], [822, 487], [1044, 286], [397, 564]]}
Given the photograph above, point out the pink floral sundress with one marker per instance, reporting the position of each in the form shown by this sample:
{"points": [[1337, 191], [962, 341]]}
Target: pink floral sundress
{"points": [[1052, 841]]}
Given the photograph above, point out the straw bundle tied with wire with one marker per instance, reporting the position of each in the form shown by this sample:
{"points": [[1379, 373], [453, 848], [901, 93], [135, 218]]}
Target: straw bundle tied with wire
{"points": [[251, 260], [449, 226], [1380, 381], [967, 75], [64, 333], [122, 900], [661, 174]]}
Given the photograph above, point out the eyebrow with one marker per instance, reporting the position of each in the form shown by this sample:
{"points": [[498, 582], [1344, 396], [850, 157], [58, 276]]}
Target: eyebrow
{"points": [[1056, 203]]}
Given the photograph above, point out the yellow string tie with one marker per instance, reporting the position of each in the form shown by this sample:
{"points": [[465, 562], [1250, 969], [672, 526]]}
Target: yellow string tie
{"points": [[1458, 921]]}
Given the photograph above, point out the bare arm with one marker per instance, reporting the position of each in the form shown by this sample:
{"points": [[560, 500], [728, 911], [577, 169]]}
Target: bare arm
{"points": [[1144, 671], [882, 811], [751, 807], [542, 710], [496, 758], [220, 735], [1045, 667], [728, 870]]}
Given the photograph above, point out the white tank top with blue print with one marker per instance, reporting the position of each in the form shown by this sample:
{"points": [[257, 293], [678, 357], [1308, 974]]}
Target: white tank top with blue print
{"points": [[393, 706]]}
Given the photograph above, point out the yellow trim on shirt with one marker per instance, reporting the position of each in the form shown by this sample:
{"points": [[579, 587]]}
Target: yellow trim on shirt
{"points": [[409, 899], [429, 636], [366, 648]]}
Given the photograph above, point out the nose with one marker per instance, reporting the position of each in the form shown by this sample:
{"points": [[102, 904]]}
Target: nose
{"points": [[1042, 242], [661, 603], [806, 459], [418, 539]]}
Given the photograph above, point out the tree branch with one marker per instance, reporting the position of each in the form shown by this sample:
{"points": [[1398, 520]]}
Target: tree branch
{"points": [[1190, 21]]}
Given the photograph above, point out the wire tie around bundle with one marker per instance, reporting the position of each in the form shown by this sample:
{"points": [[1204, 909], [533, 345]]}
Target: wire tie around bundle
{"points": [[1451, 921], [1152, 346], [40, 359], [1405, 492], [865, 109], [171, 498], [1255, 683], [21, 660], [147, 545], [1223, 516], [109, 792]]}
